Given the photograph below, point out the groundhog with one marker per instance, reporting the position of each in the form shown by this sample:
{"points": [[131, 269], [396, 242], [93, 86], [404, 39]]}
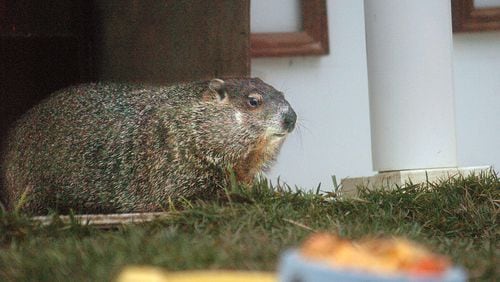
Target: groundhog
{"points": [[106, 148]]}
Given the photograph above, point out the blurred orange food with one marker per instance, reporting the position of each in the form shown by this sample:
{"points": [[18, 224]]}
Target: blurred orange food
{"points": [[374, 255]]}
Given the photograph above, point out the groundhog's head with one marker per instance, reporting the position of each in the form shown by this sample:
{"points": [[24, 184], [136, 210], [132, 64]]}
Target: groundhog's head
{"points": [[254, 118]]}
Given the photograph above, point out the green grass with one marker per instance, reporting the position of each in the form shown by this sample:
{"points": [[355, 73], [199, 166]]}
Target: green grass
{"points": [[249, 231]]}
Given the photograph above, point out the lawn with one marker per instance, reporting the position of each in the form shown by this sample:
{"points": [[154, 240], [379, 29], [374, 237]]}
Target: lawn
{"points": [[249, 228]]}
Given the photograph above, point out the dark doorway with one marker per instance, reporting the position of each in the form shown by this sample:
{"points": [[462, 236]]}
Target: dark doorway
{"points": [[48, 45]]}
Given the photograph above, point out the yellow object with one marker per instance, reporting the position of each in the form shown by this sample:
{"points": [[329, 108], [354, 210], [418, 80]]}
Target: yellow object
{"points": [[155, 274]]}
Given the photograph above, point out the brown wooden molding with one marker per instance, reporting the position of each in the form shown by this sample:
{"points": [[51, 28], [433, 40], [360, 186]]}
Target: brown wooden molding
{"points": [[312, 40], [467, 18]]}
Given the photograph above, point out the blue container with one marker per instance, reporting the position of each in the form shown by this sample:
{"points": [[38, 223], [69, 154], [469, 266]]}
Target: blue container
{"points": [[294, 268]]}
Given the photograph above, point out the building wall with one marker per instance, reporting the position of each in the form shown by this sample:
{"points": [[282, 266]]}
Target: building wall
{"points": [[330, 95], [477, 98]]}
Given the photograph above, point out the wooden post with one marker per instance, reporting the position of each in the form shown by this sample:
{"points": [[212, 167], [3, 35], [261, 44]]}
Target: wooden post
{"points": [[171, 41]]}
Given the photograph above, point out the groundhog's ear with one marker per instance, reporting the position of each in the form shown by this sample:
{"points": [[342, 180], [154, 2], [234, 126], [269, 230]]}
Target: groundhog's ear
{"points": [[218, 86]]}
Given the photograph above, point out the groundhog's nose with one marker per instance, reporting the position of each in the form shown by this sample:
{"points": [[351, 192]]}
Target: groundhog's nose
{"points": [[289, 119]]}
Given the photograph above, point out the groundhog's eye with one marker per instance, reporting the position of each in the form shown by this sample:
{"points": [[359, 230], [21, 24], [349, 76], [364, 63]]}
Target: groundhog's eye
{"points": [[254, 100]]}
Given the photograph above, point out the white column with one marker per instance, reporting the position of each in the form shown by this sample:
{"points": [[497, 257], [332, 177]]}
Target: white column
{"points": [[409, 52]]}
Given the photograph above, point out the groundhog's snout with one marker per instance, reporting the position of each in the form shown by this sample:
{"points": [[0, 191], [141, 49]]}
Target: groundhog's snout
{"points": [[289, 119]]}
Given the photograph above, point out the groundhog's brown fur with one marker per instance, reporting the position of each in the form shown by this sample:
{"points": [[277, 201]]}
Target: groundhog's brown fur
{"points": [[101, 148]]}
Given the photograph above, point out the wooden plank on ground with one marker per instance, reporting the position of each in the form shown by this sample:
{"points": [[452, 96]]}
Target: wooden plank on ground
{"points": [[104, 220]]}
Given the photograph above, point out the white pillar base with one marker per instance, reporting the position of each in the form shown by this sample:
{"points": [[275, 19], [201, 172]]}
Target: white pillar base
{"points": [[393, 179]]}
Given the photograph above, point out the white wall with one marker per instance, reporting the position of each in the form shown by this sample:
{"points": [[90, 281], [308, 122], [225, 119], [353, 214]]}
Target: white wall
{"points": [[330, 96], [477, 98]]}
